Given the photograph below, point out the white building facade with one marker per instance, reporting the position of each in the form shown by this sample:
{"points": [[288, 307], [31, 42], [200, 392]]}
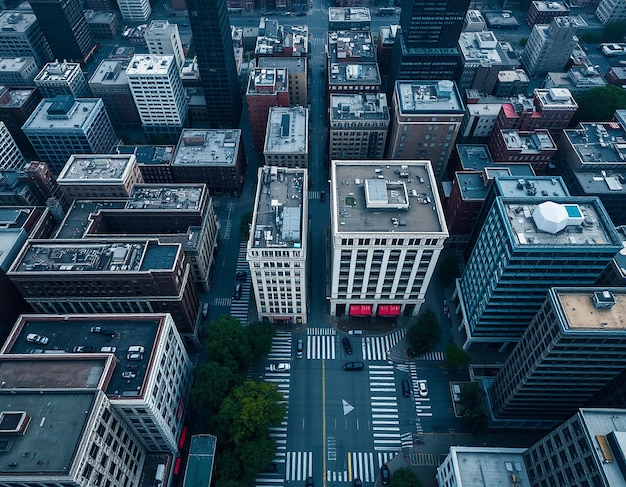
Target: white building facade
{"points": [[163, 38], [11, 159], [135, 10]]}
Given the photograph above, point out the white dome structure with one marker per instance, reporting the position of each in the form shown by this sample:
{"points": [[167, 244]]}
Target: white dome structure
{"points": [[551, 217]]}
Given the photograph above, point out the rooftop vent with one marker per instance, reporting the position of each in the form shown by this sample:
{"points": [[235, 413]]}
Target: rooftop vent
{"points": [[603, 299], [13, 422]]}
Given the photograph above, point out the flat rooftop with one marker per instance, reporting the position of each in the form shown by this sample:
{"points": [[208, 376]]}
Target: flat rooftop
{"points": [[556, 98], [166, 197], [110, 72], [429, 97], [600, 182], [355, 45], [598, 143], [160, 28], [199, 468], [148, 154], [528, 142], [11, 240], [478, 158], [123, 257], [385, 196], [354, 73], [63, 113], [77, 221], [100, 168], [278, 213], [581, 313], [15, 97], [370, 106], [472, 185], [550, 6], [267, 80], [14, 21], [294, 65], [57, 71], [351, 14], [204, 147], [149, 65], [14, 216], [480, 47], [13, 64], [99, 16], [531, 187], [52, 414], [287, 131], [479, 467]]}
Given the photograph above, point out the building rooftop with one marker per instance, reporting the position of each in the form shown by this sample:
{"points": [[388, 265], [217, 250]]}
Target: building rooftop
{"points": [[531, 186], [278, 216], [351, 45], [550, 6], [160, 28], [166, 197], [16, 63], [11, 241], [528, 142], [481, 466], [14, 217], [287, 131], [559, 222], [387, 34], [77, 220], [476, 157], [110, 72], [598, 143], [354, 73], [149, 65], [205, 147], [511, 75], [267, 80], [294, 65], [480, 47], [385, 196], [63, 113], [199, 468], [57, 71], [44, 415], [97, 168], [96, 257], [14, 97], [580, 311], [351, 14], [148, 154], [359, 107], [600, 182], [14, 21], [556, 98], [472, 185], [428, 97]]}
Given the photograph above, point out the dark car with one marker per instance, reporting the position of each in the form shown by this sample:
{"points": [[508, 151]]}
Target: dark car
{"points": [[103, 331], [346, 345], [384, 475], [241, 276], [299, 348], [301, 14], [357, 483], [406, 388], [84, 349], [354, 366], [309, 482], [237, 292]]}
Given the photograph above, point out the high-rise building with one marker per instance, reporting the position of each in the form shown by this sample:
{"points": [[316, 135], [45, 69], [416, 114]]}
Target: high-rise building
{"points": [[109, 83], [62, 126], [163, 38], [10, 156], [103, 25], [387, 231], [210, 28], [523, 248], [296, 76], [543, 11], [65, 28], [62, 78], [16, 105], [611, 11], [413, 133], [156, 86], [277, 247], [18, 71], [135, 10], [558, 365], [549, 47], [20, 35], [536, 148], [287, 137]]}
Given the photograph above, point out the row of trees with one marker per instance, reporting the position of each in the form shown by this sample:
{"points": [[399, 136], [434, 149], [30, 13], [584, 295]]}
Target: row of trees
{"points": [[239, 412]]}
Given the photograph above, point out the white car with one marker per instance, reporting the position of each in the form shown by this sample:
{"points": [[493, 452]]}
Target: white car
{"points": [[34, 338], [610, 50], [281, 367], [423, 388]]}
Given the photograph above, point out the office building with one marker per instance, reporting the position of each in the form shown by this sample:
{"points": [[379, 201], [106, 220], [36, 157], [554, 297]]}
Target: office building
{"points": [[62, 78], [147, 403], [585, 450], [65, 28], [616, 75], [593, 146], [210, 29], [296, 76], [88, 176], [18, 71], [31, 185], [11, 159], [524, 247], [277, 40], [154, 161], [474, 20], [543, 12], [611, 11], [354, 78], [414, 134], [349, 18], [536, 147], [549, 47], [480, 117], [157, 89], [287, 137], [109, 83], [358, 126], [115, 275], [16, 105], [103, 25], [384, 48], [558, 365], [20, 35], [62, 126], [345, 46], [387, 231], [577, 80], [510, 82], [213, 157], [163, 38], [135, 10], [277, 247]]}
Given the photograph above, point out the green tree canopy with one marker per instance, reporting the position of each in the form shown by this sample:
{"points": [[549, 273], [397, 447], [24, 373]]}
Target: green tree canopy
{"points": [[227, 343], [424, 334], [599, 104], [213, 382], [260, 336], [456, 357], [404, 477], [614, 32]]}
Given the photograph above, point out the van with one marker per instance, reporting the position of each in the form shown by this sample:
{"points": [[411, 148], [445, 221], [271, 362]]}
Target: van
{"points": [[406, 388], [159, 476], [299, 348]]}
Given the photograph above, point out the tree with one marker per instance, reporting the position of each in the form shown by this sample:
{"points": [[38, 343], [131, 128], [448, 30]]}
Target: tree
{"points": [[260, 336], [424, 334], [404, 477], [614, 32], [244, 225], [256, 454], [227, 343], [599, 104], [456, 356], [213, 382], [523, 41]]}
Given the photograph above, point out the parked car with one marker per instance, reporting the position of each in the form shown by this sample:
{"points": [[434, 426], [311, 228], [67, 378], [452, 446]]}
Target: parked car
{"points": [[34, 350], [84, 349], [34, 338], [280, 367], [385, 477], [355, 332], [299, 348], [406, 388], [135, 356], [353, 366], [129, 374], [301, 14], [102, 331], [610, 50], [136, 349], [108, 349], [205, 310], [241, 275], [346, 345], [423, 388], [237, 292]]}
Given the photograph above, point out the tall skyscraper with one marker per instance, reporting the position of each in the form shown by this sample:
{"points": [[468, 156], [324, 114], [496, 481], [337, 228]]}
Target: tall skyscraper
{"points": [[65, 28], [210, 28]]}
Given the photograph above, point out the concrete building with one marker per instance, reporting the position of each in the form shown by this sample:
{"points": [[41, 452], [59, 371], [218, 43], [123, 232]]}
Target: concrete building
{"points": [[109, 83], [155, 161], [213, 157], [32, 185], [117, 275], [577, 79], [480, 117], [20, 35], [11, 159], [593, 146], [616, 75], [557, 366], [278, 245], [349, 18], [277, 40], [16, 105], [358, 126], [549, 47], [611, 11], [18, 71], [353, 78], [297, 71], [543, 12], [557, 107], [387, 231], [384, 49], [163, 38], [103, 25], [62, 126], [287, 137], [536, 147], [524, 247], [156, 86], [62, 78], [135, 10], [150, 405], [474, 21], [345, 46], [510, 82], [88, 176], [414, 134]]}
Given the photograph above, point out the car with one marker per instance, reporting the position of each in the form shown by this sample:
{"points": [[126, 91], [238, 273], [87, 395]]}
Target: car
{"points": [[384, 475], [346, 345], [406, 388], [281, 367], [299, 348], [237, 292], [135, 356], [108, 349], [357, 482], [353, 366], [301, 14], [423, 388], [129, 374], [84, 349], [34, 338], [205, 310], [613, 49], [286, 14], [241, 275], [136, 349], [102, 331], [309, 482], [355, 332], [34, 350]]}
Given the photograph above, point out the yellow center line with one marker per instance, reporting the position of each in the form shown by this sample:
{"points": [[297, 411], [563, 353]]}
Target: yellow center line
{"points": [[349, 468], [324, 422]]}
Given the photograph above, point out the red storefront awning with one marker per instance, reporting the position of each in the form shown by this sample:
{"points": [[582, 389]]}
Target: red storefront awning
{"points": [[389, 310], [360, 310]]}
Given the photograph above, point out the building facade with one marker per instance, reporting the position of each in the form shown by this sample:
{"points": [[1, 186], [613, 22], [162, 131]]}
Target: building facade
{"points": [[11, 158], [163, 38], [549, 47], [135, 10], [109, 83], [20, 35], [18, 71], [611, 11], [62, 78]]}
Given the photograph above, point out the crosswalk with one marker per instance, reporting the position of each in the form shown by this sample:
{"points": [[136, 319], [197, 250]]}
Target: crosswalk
{"points": [[298, 465], [281, 347], [384, 402], [315, 195], [422, 403], [320, 343], [375, 348], [360, 465], [436, 356], [239, 307], [424, 459], [221, 302]]}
